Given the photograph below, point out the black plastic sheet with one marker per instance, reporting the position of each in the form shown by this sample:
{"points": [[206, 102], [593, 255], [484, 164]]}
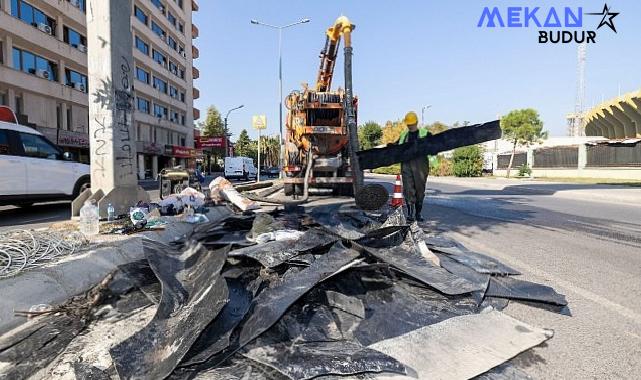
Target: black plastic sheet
{"points": [[275, 253], [515, 289], [309, 360], [478, 262], [193, 293], [423, 270]]}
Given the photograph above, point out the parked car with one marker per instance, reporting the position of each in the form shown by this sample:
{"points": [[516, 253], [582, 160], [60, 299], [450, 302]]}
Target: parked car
{"points": [[269, 172], [33, 169], [240, 168]]}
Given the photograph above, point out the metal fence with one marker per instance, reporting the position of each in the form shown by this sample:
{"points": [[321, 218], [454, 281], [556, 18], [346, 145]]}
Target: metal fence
{"points": [[614, 155], [504, 160], [557, 157]]}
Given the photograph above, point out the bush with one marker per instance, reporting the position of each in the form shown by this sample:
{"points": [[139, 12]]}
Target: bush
{"points": [[440, 166], [524, 171], [468, 161], [392, 169]]}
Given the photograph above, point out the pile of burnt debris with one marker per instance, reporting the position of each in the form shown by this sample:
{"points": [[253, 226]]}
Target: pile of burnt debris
{"points": [[353, 295]]}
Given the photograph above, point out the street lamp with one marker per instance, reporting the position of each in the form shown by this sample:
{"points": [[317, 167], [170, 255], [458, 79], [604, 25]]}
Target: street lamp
{"points": [[423, 113], [280, 79], [227, 134]]}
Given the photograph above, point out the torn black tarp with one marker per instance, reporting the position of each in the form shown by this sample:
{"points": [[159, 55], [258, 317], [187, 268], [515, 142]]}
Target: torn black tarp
{"points": [[416, 266], [302, 361], [478, 262], [193, 293], [275, 253], [515, 289]]}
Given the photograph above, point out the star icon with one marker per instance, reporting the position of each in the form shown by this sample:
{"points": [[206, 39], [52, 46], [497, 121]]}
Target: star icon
{"points": [[607, 18]]}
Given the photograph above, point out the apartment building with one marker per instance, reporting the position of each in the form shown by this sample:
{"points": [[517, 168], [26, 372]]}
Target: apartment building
{"points": [[43, 75]]}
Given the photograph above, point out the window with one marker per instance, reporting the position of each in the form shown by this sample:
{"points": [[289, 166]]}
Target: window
{"points": [[69, 118], [157, 29], [159, 5], [140, 15], [174, 116], [173, 68], [181, 27], [182, 73], [31, 15], [160, 85], [173, 92], [82, 4], [182, 97], [144, 105], [182, 119], [74, 38], [36, 146], [4, 142], [183, 141], [160, 111], [172, 43], [142, 46], [160, 58], [172, 19], [34, 64], [180, 4], [142, 75], [76, 80], [181, 50]]}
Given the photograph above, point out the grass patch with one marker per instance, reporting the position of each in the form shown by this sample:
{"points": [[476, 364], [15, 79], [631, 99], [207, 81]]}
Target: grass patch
{"points": [[392, 169]]}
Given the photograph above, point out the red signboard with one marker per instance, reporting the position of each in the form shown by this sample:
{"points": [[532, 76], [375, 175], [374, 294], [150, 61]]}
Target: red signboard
{"points": [[183, 152], [209, 142]]}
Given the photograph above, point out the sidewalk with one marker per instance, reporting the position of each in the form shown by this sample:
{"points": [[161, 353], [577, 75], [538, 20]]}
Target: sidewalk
{"points": [[577, 191]]}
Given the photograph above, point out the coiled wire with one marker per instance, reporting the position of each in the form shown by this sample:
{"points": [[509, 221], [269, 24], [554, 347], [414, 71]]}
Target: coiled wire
{"points": [[22, 250]]}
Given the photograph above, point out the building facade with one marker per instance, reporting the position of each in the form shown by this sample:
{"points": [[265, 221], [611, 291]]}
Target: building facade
{"points": [[43, 75]]}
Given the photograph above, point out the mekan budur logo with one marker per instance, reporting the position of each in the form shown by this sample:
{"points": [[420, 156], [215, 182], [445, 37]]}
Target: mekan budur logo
{"points": [[552, 19]]}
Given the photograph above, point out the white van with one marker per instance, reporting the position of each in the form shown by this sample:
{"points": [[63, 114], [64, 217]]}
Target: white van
{"points": [[240, 167], [33, 169]]}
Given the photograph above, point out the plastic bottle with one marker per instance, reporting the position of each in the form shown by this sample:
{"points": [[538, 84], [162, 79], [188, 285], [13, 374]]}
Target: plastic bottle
{"points": [[89, 218], [111, 213]]}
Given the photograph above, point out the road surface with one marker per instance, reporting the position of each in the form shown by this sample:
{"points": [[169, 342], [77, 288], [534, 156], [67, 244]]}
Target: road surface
{"points": [[589, 251]]}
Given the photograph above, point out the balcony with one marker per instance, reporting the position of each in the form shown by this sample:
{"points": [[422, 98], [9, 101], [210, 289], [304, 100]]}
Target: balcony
{"points": [[196, 93], [194, 31], [195, 52], [196, 113], [194, 6], [195, 72]]}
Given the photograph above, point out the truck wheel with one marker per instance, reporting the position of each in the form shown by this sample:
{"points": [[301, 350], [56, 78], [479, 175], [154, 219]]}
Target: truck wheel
{"points": [[288, 188]]}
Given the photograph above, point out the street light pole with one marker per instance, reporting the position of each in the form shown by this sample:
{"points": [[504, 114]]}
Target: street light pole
{"points": [[423, 114], [227, 131], [281, 158]]}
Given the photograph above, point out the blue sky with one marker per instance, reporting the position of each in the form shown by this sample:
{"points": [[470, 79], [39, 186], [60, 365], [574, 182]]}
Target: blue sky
{"points": [[408, 54]]}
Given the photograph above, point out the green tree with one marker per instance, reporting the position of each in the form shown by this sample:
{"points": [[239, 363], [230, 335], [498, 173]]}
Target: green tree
{"points": [[392, 132], [369, 135], [437, 127], [269, 150], [468, 161], [522, 127], [245, 146], [213, 125]]}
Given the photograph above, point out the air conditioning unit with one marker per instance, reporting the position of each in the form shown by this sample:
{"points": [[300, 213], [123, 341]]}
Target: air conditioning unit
{"points": [[82, 48], [79, 86], [44, 28], [42, 73], [75, 3]]}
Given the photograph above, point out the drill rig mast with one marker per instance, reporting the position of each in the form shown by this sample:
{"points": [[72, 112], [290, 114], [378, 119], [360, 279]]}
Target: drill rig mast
{"points": [[321, 126]]}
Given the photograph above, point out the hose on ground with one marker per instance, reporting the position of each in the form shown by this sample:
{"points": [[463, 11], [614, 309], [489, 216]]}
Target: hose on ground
{"points": [[308, 172]]}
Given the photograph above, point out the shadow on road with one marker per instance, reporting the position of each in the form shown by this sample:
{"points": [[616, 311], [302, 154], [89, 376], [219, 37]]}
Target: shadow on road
{"points": [[37, 214]]}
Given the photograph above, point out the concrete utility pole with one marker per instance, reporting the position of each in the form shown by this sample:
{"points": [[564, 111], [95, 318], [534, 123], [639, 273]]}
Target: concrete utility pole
{"points": [[111, 107]]}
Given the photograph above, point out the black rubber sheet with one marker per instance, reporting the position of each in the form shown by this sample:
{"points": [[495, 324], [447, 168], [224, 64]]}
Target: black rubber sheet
{"points": [[239, 368], [275, 253], [193, 293], [416, 266], [515, 289], [478, 262], [310, 360]]}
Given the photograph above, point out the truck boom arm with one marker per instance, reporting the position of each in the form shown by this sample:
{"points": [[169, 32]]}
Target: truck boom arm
{"points": [[341, 28]]}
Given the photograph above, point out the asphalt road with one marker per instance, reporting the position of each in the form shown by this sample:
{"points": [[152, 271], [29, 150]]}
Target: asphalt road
{"points": [[589, 251]]}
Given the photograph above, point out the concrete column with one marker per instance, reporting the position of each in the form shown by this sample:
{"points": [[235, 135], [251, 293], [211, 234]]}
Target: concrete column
{"points": [[154, 166], [628, 126], [60, 28], [8, 51], [111, 107], [633, 113], [11, 99], [530, 157], [583, 156], [619, 129], [61, 72], [63, 119], [606, 127], [141, 166], [6, 6]]}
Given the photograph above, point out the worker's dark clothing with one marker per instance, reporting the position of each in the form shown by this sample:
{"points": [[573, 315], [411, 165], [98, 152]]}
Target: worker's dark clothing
{"points": [[414, 173]]}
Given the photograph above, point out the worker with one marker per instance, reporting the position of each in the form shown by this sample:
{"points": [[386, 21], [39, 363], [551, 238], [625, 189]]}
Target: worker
{"points": [[414, 171]]}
